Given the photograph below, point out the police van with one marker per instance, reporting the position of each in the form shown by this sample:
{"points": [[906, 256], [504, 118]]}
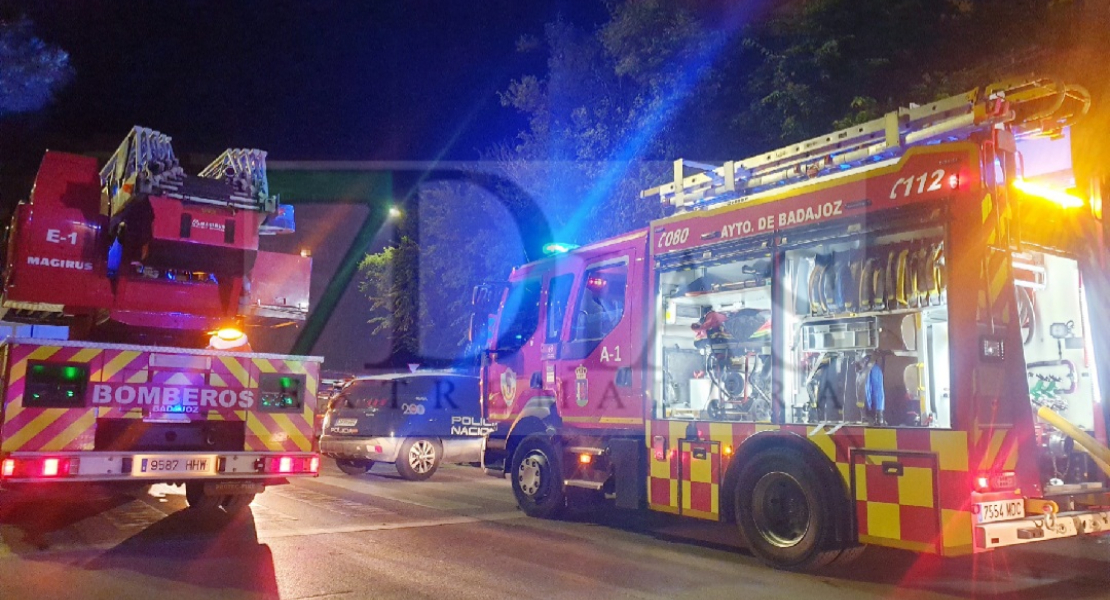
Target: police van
{"points": [[416, 421]]}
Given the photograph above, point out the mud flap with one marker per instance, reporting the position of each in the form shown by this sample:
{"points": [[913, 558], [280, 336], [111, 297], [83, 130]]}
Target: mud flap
{"points": [[628, 470]]}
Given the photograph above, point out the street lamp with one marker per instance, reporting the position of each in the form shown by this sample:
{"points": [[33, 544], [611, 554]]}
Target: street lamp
{"points": [[394, 212]]}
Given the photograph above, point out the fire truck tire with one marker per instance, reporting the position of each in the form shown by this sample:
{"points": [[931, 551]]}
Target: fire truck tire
{"points": [[419, 458], [236, 504], [781, 513], [354, 467], [200, 501], [537, 474]]}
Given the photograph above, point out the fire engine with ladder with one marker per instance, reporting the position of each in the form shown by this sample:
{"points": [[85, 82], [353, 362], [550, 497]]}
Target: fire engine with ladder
{"points": [[880, 336], [127, 289]]}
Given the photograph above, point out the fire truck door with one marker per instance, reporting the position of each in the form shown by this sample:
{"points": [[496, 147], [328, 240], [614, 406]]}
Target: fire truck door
{"points": [[595, 378]]}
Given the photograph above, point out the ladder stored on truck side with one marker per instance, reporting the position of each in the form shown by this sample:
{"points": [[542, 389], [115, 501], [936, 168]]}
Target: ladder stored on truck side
{"points": [[1034, 106]]}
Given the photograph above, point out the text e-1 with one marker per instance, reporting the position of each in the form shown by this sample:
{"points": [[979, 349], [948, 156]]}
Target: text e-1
{"points": [[55, 236]]}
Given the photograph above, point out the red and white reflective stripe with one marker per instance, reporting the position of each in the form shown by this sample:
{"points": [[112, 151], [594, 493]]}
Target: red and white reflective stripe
{"points": [[116, 466]]}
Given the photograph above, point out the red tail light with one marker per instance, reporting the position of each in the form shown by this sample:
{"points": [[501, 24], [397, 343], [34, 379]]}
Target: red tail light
{"points": [[294, 464], [995, 482], [38, 468]]}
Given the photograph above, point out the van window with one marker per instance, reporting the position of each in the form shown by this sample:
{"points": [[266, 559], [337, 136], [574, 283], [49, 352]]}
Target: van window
{"points": [[368, 393]]}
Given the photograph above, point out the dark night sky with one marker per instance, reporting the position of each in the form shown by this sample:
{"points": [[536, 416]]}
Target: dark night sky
{"points": [[303, 80]]}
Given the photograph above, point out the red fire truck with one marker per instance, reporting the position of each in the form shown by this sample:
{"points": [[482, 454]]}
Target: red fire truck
{"points": [[878, 336], [151, 275]]}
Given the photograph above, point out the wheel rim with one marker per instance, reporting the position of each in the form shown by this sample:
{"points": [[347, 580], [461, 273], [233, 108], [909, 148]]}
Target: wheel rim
{"points": [[780, 509], [422, 456], [529, 474]]}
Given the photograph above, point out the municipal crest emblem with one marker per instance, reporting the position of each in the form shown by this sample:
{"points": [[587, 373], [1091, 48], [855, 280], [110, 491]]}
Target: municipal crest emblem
{"points": [[508, 386], [581, 389]]}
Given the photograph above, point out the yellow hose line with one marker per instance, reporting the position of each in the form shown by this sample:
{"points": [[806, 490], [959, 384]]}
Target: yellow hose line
{"points": [[1097, 451]]}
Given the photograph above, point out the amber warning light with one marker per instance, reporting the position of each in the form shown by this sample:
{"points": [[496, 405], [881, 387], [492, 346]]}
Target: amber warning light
{"points": [[1062, 199]]}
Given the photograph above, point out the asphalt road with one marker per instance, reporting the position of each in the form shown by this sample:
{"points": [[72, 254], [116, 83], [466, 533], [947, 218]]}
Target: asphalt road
{"points": [[459, 535]]}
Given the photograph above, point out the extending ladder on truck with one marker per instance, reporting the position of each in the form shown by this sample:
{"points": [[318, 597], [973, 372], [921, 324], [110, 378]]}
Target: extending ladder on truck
{"points": [[145, 164], [1028, 106]]}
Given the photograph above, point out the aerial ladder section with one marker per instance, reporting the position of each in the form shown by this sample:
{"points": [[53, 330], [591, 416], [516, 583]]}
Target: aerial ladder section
{"points": [[1033, 106]]}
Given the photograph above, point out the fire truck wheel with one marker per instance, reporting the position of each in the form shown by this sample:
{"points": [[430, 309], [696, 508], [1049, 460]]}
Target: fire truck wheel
{"points": [[352, 466], [237, 503], [781, 514], [419, 459], [231, 504], [537, 474]]}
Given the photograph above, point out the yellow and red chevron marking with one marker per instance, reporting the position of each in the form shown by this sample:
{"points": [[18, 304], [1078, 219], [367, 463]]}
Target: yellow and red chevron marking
{"points": [[278, 432], [30, 429], [51, 429], [995, 449], [310, 370], [924, 505], [231, 371], [123, 366], [283, 431], [996, 298]]}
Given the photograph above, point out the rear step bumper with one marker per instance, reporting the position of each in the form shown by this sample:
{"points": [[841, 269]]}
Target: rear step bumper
{"points": [[151, 467], [1048, 527]]}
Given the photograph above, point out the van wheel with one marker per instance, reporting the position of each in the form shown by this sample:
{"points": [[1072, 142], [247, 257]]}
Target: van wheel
{"points": [[419, 459], [537, 474], [201, 501], [780, 512], [352, 466]]}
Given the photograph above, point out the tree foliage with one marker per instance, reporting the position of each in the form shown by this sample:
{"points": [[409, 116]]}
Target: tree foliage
{"points": [[613, 99], [828, 64], [388, 281], [452, 237], [617, 103], [608, 101], [31, 71]]}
